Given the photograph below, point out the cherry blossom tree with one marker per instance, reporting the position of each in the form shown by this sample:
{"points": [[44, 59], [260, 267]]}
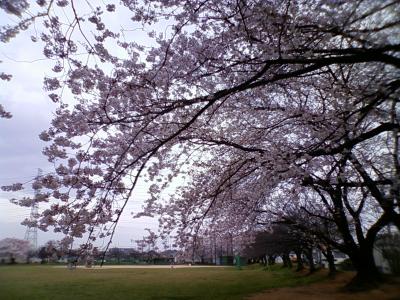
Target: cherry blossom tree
{"points": [[4, 114], [279, 241], [14, 250], [243, 98]]}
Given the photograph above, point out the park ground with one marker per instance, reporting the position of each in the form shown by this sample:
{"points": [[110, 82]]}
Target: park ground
{"points": [[255, 283], [332, 289]]}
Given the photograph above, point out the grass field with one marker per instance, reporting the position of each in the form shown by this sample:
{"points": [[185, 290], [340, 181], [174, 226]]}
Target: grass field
{"points": [[47, 282]]}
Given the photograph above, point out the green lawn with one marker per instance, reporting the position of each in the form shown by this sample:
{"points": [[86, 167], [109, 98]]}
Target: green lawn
{"points": [[47, 282]]}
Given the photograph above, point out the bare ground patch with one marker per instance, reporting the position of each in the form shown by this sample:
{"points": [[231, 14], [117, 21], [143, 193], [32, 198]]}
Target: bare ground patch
{"points": [[331, 289], [97, 267]]}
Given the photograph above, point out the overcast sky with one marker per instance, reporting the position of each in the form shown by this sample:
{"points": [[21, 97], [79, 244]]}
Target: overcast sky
{"points": [[20, 147]]}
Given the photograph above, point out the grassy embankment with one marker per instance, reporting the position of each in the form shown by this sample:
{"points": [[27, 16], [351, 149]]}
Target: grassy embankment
{"points": [[47, 282]]}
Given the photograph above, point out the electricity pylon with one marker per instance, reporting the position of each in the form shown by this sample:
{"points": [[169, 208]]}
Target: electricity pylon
{"points": [[31, 231]]}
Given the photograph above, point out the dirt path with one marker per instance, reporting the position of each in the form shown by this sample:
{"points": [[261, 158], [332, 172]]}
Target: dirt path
{"points": [[330, 290], [143, 267]]}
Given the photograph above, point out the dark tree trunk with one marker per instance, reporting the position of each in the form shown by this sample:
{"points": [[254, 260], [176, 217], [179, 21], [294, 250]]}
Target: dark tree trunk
{"points": [[367, 276], [265, 261], [300, 265], [310, 259], [331, 262], [290, 263], [287, 263], [271, 260]]}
